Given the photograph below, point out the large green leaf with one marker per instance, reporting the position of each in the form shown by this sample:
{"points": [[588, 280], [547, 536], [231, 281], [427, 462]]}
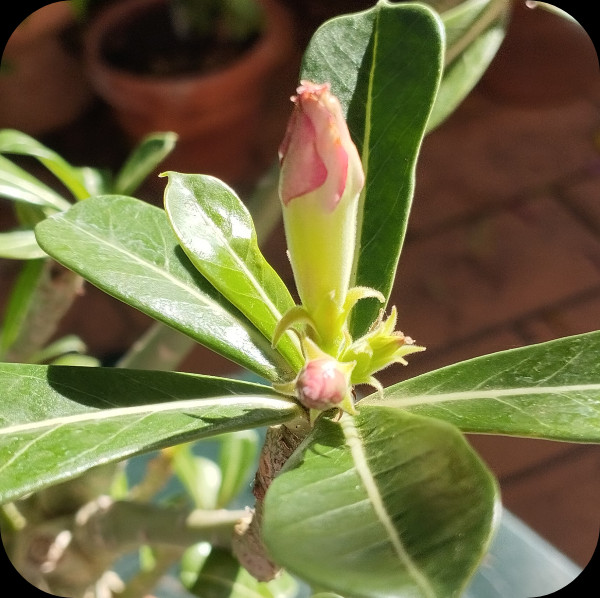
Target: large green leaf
{"points": [[127, 248], [474, 31], [384, 64], [386, 504], [217, 233], [58, 421], [549, 390]]}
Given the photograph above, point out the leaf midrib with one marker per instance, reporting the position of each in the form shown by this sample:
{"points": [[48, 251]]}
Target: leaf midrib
{"points": [[361, 465], [365, 156], [162, 273], [183, 405], [258, 289], [490, 394]]}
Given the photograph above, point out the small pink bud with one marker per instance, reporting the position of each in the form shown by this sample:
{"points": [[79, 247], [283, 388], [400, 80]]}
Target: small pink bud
{"points": [[317, 151], [322, 384]]}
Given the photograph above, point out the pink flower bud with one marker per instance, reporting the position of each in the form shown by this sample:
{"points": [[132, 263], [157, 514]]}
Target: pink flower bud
{"points": [[320, 183], [317, 151], [322, 384]]}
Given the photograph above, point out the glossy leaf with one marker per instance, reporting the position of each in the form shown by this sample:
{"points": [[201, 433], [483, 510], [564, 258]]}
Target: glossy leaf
{"points": [[127, 248], [384, 504], [146, 156], [17, 184], [474, 31], [217, 233], [59, 421], [384, 64], [17, 142], [549, 390], [20, 245]]}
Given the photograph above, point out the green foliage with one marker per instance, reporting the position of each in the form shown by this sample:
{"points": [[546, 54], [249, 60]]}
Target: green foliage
{"points": [[217, 233], [127, 248], [219, 575], [19, 186], [549, 390], [391, 501], [384, 65], [386, 503], [59, 421]]}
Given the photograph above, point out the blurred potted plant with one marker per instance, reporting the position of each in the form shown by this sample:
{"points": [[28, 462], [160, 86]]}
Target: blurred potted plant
{"points": [[204, 69], [41, 83]]}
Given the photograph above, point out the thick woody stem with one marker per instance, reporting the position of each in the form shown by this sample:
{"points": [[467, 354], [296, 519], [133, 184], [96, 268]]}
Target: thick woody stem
{"points": [[67, 555], [248, 547]]}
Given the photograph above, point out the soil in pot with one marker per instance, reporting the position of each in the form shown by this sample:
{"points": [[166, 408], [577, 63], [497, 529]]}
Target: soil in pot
{"points": [[146, 46]]}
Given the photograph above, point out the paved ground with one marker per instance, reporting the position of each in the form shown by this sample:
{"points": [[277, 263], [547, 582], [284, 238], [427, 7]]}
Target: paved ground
{"points": [[503, 250]]}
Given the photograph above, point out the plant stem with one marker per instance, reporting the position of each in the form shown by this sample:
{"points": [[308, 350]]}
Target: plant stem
{"points": [[51, 298], [69, 554], [117, 527], [159, 348]]}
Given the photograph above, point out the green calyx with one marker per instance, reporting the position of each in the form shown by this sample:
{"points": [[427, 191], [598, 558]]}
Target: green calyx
{"points": [[379, 348]]}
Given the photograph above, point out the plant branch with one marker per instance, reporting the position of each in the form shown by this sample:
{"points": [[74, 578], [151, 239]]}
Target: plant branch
{"points": [[119, 526], [55, 291], [159, 348]]}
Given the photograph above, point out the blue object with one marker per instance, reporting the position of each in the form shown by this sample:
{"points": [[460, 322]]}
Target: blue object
{"points": [[521, 564]]}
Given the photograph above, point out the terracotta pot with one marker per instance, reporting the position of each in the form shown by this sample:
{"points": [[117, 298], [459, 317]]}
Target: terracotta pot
{"points": [[42, 86], [229, 122]]}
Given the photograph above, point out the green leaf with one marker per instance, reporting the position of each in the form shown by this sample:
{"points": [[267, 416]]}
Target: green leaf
{"points": [[200, 476], [222, 577], [237, 459], [384, 64], [16, 142], [217, 233], [62, 346], [146, 156], [474, 31], [384, 504], [20, 245], [17, 184], [549, 390], [127, 248], [59, 421]]}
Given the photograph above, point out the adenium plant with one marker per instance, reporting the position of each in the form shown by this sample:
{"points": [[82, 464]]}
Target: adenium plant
{"points": [[361, 491]]}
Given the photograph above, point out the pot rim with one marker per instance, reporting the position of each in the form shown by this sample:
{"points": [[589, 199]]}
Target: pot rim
{"points": [[265, 50]]}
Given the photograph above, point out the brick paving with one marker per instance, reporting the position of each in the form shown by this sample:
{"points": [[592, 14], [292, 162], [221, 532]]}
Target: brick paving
{"points": [[502, 251]]}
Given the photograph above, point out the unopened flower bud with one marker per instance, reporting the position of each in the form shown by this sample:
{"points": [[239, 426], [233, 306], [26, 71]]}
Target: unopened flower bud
{"points": [[320, 183], [322, 384]]}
